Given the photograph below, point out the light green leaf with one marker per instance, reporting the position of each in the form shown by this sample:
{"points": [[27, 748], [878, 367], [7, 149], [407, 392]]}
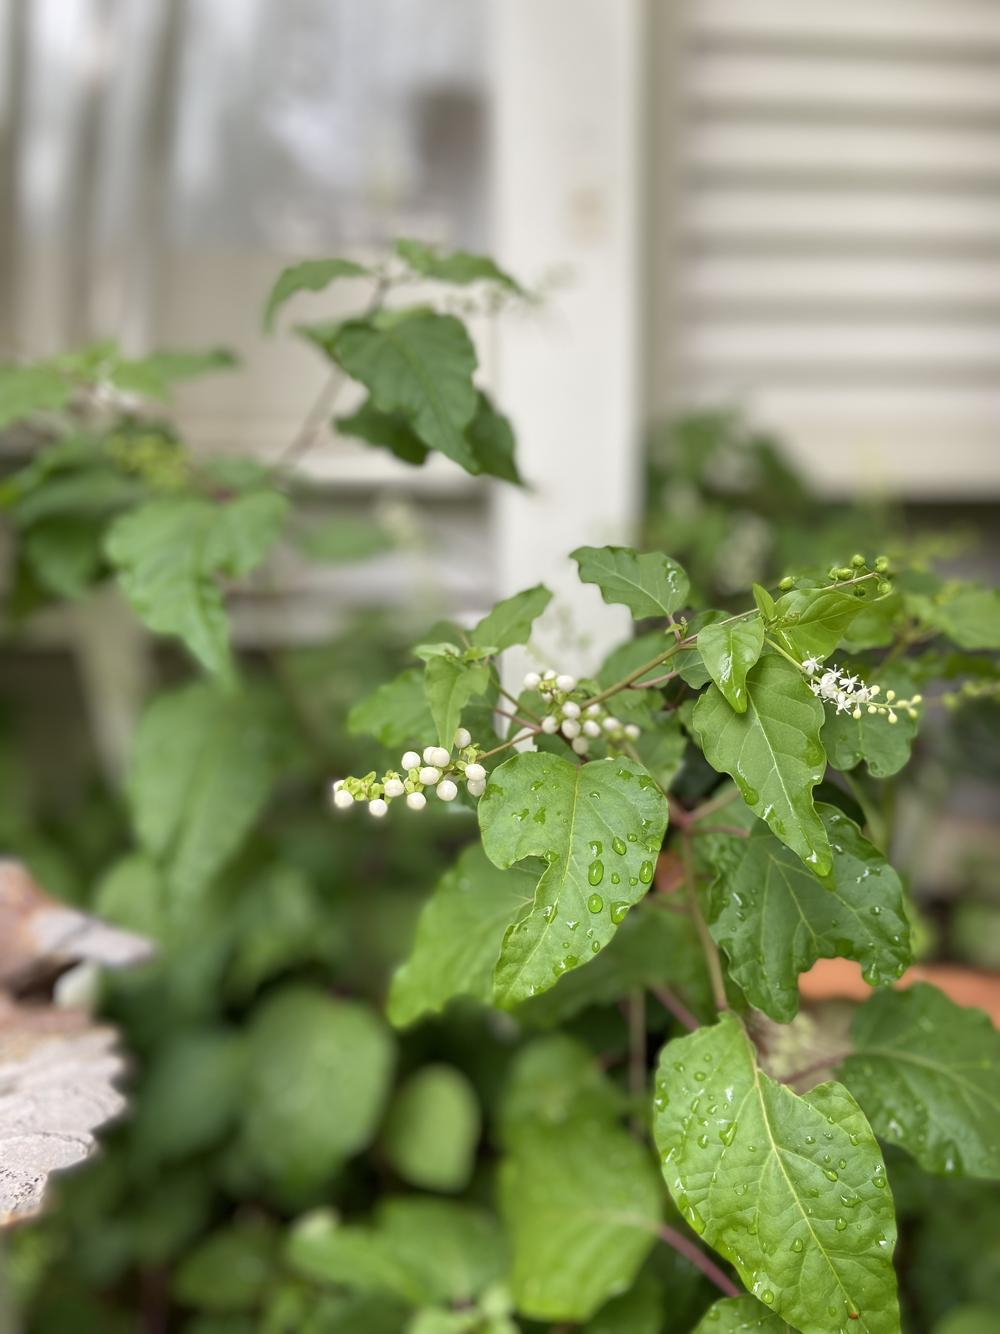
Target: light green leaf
{"points": [[389, 430], [396, 713], [927, 1073], [581, 1205], [311, 275], [650, 584], [455, 266], [25, 390], [792, 1191], [344, 539], [421, 1250], [728, 652], [885, 747], [599, 828], [638, 1311], [740, 1315], [765, 602], [554, 1080], [202, 768], [449, 684], [774, 918], [511, 620], [432, 1129], [968, 616], [155, 375], [773, 753], [420, 365], [822, 619], [318, 1074], [168, 553], [458, 937]]}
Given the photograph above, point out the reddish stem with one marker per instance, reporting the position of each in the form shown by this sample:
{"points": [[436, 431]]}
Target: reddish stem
{"points": [[675, 1007], [683, 1246]]}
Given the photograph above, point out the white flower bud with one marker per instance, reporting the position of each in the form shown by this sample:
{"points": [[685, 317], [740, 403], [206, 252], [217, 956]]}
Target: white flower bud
{"points": [[394, 787], [570, 728], [462, 737], [632, 731], [446, 790], [592, 711], [429, 775], [342, 799], [570, 709], [611, 724], [416, 801], [378, 807], [438, 756], [532, 681], [550, 724], [566, 682], [410, 760], [549, 676], [475, 773], [336, 785], [581, 745], [477, 787], [591, 728]]}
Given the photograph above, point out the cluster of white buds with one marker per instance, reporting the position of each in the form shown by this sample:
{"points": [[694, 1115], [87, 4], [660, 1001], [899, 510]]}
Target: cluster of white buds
{"points": [[569, 714], [851, 695], [434, 769]]}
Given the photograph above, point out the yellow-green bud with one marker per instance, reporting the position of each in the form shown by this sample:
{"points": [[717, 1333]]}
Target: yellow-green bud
{"points": [[787, 583], [881, 564], [858, 561]]}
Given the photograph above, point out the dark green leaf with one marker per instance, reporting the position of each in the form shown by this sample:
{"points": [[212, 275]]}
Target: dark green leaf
{"points": [[649, 585], [65, 554], [599, 828], [927, 1072], [774, 918], [792, 1191], [390, 430], [773, 753], [491, 440], [311, 275], [728, 652]]}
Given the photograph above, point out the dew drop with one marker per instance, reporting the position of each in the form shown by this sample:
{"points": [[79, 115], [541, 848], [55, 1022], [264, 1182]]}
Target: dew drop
{"points": [[595, 872], [618, 845], [797, 1245], [646, 872], [728, 1133], [618, 911], [596, 848], [840, 1224], [830, 1174], [549, 912], [615, 878], [595, 903]]}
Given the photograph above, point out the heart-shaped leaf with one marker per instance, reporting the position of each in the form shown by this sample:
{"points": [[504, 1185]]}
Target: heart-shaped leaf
{"points": [[728, 652]]}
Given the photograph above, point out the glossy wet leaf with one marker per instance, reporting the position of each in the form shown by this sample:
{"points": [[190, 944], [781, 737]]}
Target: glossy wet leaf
{"points": [[773, 752], [649, 583], [459, 934], [927, 1072], [311, 275], [318, 1075], [740, 1315], [821, 620], [510, 622], [774, 918], [170, 553], [432, 1129], [728, 652], [418, 364], [598, 827], [449, 684], [581, 1205], [791, 1190], [420, 1250]]}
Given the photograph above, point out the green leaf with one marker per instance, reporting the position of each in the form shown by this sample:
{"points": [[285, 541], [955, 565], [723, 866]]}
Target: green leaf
{"points": [[885, 747], [792, 1191], [202, 767], [458, 938], [396, 713], [661, 749], [638, 1311], [773, 753], [456, 266], [553, 1080], [65, 554], [581, 1206], [319, 1073], [25, 390], [649, 585], [190, 1095], [155, 375], [968, 616], [688, 663], [970, 1318], [822, 617], [420, 1250], [344, 539], [230, 1270], [390, 430], [740, 1315], [168, 553], [311, 275], [765, 602], [420, 365], [491, 439], [449, 684], [599, 828], [432, 1129], [927, 1073], [774, 918], [728, 652], [511, 620]]}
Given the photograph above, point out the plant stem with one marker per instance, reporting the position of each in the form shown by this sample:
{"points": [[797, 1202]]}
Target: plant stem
{"points": [[512, 699], [712, 805], [511, 741], [675, 1007], [696, 1256], [708, 946]]}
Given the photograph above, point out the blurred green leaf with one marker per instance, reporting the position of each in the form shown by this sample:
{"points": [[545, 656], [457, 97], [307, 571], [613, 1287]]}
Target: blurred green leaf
{"points": [[456, 266], [231, 1270], [432, 1129], [190, 1095], [396, 713], [510, 622], [310, 275], [26, 390]]}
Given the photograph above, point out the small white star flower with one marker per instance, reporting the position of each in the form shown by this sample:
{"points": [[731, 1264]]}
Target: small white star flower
{"points": [[811, 665]]}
